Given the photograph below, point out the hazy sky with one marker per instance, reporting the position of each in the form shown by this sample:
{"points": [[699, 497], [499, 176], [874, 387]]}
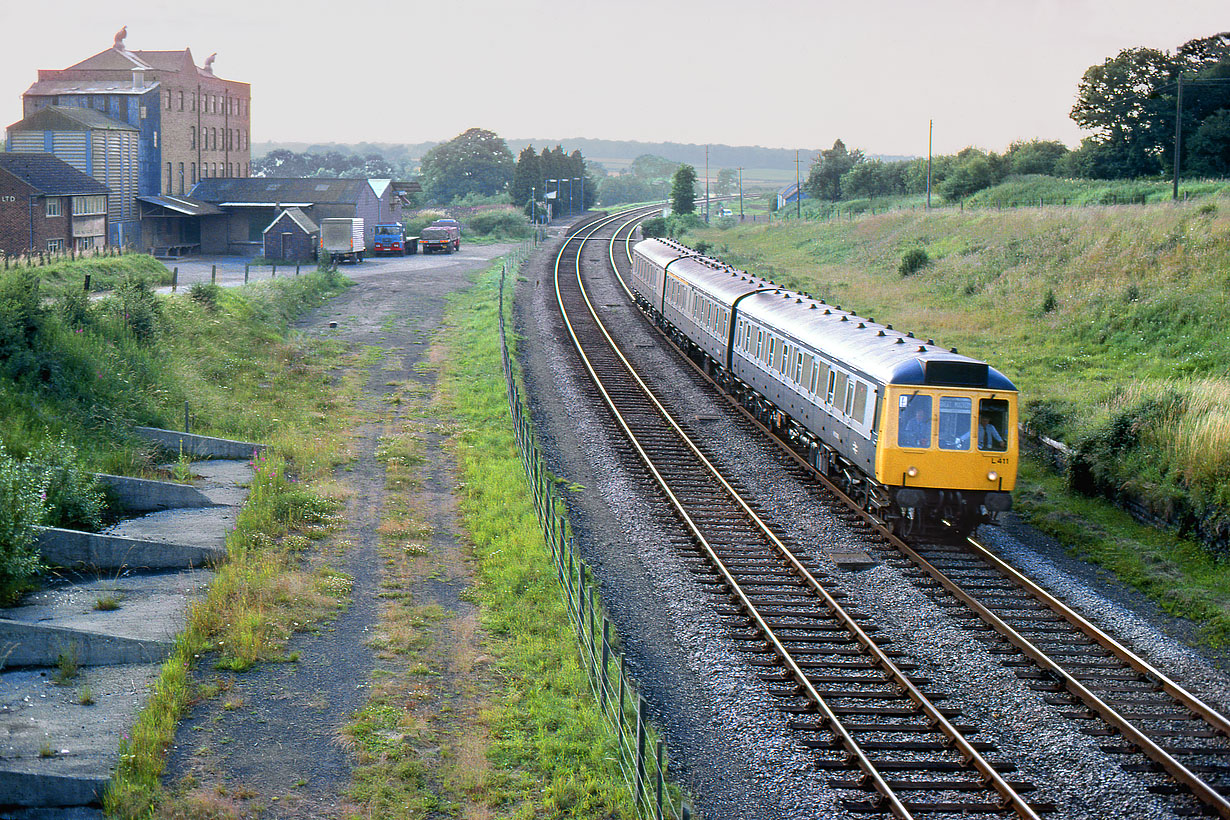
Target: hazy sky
{"points": [[778, 73]]}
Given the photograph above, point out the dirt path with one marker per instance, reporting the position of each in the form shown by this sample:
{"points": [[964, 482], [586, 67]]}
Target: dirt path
{"points": [[273, 741]]}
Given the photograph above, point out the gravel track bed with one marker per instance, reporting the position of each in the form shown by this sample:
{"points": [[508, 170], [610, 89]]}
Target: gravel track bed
{"points": [[731, 747]]}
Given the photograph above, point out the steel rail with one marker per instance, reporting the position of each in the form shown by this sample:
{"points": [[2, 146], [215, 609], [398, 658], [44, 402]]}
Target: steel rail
{"points": [[1200, 789], [1009, 797]]}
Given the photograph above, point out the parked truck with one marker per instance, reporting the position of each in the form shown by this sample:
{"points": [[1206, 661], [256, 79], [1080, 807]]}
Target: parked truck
{"points": [[391, 238], [436, 237], [342, 238]]}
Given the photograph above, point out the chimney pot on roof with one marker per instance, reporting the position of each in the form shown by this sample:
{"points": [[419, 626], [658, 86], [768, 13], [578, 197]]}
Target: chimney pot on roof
{"points": [[119, 38]]}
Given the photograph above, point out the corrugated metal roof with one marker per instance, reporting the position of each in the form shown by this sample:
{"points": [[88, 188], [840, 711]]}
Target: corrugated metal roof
{"points": [[182, 204], [233, 191], [69, 118], [50, 175]]}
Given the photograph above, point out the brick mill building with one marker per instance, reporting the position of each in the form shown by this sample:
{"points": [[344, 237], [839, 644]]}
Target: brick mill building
{"points": [[191, 124], [48, 205]]}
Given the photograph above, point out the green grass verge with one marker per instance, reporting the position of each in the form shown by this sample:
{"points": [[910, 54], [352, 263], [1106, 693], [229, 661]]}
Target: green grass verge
{"points": [[551, 750]]}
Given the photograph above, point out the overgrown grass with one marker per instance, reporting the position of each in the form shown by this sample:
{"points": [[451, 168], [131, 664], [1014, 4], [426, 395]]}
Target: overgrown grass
{"points": [[1106, 318], [294, 392], [552, 752], [105, 272]]}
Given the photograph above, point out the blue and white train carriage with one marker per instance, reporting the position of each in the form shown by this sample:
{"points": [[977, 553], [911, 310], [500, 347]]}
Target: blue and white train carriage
{"points": [[917, 432]]}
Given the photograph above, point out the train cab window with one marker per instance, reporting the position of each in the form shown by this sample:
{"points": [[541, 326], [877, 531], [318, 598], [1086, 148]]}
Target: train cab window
{"points": [[993, 425], [955, 422], [914, 421]]}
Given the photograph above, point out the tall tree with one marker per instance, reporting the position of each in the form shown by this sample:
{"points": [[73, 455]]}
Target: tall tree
{"points": [[477, 161], [824, 177], [725, 184], [527, 176], [683, 190]]}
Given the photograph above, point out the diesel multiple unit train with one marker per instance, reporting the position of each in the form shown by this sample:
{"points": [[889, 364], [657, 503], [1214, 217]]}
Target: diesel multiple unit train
{"points": [[920, 435]]}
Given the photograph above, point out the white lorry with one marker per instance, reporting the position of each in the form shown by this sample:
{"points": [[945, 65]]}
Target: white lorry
{"points": [[342, 239]]}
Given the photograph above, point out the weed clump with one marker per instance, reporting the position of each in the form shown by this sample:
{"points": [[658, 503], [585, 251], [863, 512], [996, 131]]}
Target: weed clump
{"points": [[206, 294], [912, 261]]}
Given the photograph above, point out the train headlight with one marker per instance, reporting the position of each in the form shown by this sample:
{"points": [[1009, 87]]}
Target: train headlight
{"points": [[913, 471], [992, 476]]}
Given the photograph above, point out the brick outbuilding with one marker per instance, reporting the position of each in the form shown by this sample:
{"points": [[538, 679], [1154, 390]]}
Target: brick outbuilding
{"points": [[48, 205], [292, 237]]}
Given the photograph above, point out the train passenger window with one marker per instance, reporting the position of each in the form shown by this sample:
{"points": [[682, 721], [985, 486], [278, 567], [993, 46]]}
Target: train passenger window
{"points": [[815, 375], [785, 357], [993, 425], [798, 368], [860, 402], [759, 343], [849, 408], [837, 395], [772, 345], [955, 422], [829, 390], [914, 421]]}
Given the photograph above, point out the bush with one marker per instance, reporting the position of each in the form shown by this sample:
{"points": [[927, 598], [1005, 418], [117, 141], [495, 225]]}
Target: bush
{"points": [[21, 510], [499, 224], [73, 497], [137, 307], [206, 294], [912, 261], [655, 226]]}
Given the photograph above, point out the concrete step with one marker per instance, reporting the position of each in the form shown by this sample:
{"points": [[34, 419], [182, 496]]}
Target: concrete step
{"points": [[199, 446], [101, 552]]}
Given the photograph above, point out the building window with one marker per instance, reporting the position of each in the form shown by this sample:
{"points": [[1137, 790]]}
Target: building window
{"points": [[55, 245], [192, 137], [168, 99], [90, 205], [181, 178], [193, 169], [181, 101], [213, 134], [215, 169], [155, 139], [170, 171], [55, 206], [85, 243], [142, 110]]}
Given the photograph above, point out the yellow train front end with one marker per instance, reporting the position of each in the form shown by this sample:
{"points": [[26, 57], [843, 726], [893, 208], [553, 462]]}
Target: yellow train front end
{"points": [[947, 453]]}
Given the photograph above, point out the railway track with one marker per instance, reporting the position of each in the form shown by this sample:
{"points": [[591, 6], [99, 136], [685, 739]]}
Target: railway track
{"points": [[1084, 672], [881, 732]]}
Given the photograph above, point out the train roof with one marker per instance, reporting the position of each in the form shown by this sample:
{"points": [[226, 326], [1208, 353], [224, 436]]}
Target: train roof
{"points": [[886, 355]]}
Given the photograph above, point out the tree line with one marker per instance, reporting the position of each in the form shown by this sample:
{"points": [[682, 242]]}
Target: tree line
{"points": [[1128, 101]]}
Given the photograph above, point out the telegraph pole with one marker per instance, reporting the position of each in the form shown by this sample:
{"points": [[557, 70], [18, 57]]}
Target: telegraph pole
{"points": [[740, 193], [1178, 136], [930, 131], [798, 191]]}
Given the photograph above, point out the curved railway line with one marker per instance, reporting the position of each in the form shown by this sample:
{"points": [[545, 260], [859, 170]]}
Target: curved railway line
{"points": [[1085, 670], [850, 697], [861, 709]]}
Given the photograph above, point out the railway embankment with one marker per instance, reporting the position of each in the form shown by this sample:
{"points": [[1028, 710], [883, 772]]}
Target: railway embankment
{"points": [[1107, 318]]}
